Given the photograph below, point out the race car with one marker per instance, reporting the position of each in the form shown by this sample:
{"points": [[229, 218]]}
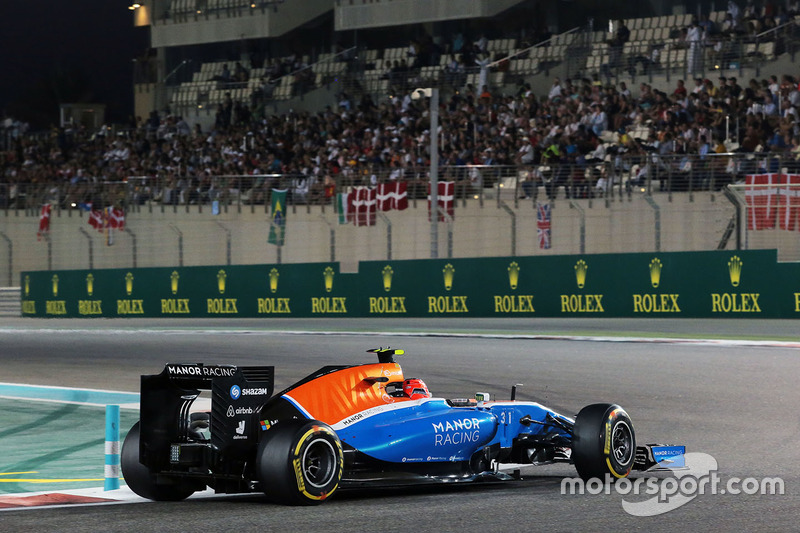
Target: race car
{"points": [[354, 426]]}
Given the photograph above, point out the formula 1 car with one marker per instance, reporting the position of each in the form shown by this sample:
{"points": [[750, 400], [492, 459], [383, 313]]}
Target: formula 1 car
{"points": [[353, 426]]}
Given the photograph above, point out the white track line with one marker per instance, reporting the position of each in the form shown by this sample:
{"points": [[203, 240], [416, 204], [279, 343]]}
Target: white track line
{"points": [[508, 336]]}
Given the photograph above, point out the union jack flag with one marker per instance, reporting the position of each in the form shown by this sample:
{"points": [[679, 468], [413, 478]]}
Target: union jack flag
{"points": [[543, 218]]}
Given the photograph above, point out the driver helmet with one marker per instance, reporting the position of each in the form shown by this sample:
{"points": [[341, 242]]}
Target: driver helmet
{"points": [[415, 389]]}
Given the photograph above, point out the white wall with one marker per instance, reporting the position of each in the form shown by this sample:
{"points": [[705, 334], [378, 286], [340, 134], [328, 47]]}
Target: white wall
{"points": [[621, 225]]}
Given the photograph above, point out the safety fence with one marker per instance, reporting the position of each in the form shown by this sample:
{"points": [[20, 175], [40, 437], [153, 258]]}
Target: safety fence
{"points": [[616, 174], [657, 203]]}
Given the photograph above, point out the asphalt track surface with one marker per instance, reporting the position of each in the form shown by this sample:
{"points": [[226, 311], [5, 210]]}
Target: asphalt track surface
{"points": [[736, 402]]}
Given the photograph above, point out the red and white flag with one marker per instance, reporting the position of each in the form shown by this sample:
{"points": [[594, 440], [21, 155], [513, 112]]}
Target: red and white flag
{"points": [[447, 201], [115, 218], [44, 221], [789, 203], [392, 195], [364, 202], [96, 219], [761, 194]]}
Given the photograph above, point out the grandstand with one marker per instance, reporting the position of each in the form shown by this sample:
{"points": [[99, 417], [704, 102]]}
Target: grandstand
{"points": [[318, 98]]}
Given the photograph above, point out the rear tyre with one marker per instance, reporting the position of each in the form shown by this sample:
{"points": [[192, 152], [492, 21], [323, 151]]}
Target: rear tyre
{"points": [[604, 442], [299, 462], [141, 480]]}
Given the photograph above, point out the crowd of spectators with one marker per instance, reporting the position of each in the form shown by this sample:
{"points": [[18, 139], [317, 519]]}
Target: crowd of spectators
{"points": [[559, 136]]}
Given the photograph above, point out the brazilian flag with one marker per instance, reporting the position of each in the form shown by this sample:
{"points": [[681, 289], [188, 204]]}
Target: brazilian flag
{"points": [[277, 226]]}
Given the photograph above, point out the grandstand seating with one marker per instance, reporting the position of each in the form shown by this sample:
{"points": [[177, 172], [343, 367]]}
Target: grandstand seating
{"points": [[589, 50]]}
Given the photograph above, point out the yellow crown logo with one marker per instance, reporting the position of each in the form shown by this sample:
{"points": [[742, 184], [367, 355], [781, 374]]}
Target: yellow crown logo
{"points": [[735, 270], [273, 280], [221, 277], [27, 286], [173, 281], [328, 275], [655, 272], [129, 283], [449, 271], [89, 284], [513, 275], [580, 272], [387, 278], [55, 285]]}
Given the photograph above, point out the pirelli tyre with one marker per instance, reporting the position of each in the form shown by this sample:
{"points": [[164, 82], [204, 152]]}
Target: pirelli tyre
{"points": [[141, 481], [299, 462], [604, 442]]}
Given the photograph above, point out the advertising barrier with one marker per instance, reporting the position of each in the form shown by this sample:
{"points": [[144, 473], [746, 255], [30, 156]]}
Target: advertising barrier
{"points": [[679, 284]]}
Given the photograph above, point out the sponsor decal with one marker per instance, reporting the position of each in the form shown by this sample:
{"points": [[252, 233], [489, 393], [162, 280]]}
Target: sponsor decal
{"points": [[517, 303], [656, 303], [387, 304], [329, 305], [270, 306], [355, 418], [449, 272], [55, 307], [173, 281], [327, 275], [90, 307], [735, 303], [175, 306], [200, 371], [672, 456], [236, 392], [735, 270], [259, 391], [655, 272], [513, 275], [130, 307], [265, 425], [581, 269], [240, 431], [387, 273], [582, 303], [129, 283], [90, 284], [388, 372], [456, 431], [222, 306], [221, 277], [54, 280], [273, 280], [231, 413], [447, 304], [29, 307]]}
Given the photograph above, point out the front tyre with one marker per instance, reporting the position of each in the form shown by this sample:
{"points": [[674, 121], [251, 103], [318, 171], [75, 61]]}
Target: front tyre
{"points": [[604, 442], [299, 462], [139, 478]]}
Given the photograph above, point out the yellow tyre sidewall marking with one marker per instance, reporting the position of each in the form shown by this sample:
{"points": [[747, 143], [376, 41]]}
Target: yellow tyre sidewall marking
{"points": [[298, 468]]}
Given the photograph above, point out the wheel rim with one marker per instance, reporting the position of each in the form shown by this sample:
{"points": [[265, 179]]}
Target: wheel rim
{"points": [[319, 463], [622, 442]]}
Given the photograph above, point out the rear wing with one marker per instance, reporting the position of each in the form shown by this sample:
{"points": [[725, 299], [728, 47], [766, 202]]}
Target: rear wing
{"points": [[166, 398]]}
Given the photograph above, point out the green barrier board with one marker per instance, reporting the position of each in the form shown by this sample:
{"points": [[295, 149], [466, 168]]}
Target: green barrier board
{"points": [[678, 284]]}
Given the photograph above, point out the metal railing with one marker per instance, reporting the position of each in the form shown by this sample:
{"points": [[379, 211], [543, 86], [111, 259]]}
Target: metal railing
{"points": [[615, 177]]}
